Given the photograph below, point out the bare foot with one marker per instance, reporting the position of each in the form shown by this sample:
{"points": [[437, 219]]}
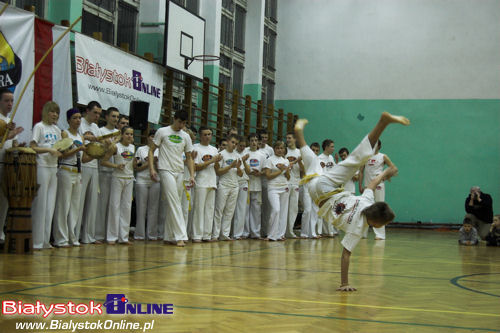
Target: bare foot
{"points": [[300, 124], [180, 243], [389, 118]]}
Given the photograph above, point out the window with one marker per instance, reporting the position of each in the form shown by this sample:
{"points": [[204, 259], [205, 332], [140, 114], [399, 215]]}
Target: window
{"points": [[226, 62], [39, 5], [226, 37], [238, 77], [109, 5], [270, 92], [271, 10], [239, 29], [92, 23], [228, 4], [225, 80], [127, 17], [192, 6], [272, 51]]}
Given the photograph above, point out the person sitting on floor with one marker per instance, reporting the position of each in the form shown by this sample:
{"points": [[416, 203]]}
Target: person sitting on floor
{"points": [[468, 234], [493, 237]]}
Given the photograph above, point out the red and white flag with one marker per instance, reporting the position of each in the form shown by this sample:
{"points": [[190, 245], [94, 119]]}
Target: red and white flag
{"points": [[23, 41]]}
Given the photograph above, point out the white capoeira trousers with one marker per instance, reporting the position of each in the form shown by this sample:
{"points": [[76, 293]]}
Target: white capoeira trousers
{"points": [[173, 190], [67, 207], [186, 205], [225, 204], [309, 216], [264, 226], [379, 195], [203, 215], [103, 204], [120, 207], [293, 209], [241, 211], [147, 202], [254, 214], [88, 205], [278, 212], [42, 208], [4, 205]]}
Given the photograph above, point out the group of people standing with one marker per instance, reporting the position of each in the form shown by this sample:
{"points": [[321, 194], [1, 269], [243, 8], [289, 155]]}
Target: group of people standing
{"points": [[184, 191]]}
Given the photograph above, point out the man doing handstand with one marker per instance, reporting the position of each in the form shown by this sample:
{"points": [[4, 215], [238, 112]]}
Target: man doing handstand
{"points": [[353, 214]]}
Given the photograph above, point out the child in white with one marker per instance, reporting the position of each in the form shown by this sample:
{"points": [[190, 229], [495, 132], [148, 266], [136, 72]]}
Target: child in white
{"points": [[172, 141], [228, 170], [241, 211], [255, 163], [351, 213], [277, 171], [45, 134], [147, 194], [293, 157], [69, 185], [373, 167], [310, 215], [204, 204], [122, 185]]}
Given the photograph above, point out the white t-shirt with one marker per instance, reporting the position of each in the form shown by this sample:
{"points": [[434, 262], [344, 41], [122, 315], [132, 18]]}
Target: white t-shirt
{"points": [[141, 155], [45, 136], [104, 131], [243, 180], [374, 167], [171, 145], [348, 208], [85, 127], [77, 141], [268, 151], [124, 155], [255, 161], [279, 182], [230, 178], [292, 155], [8, 143], [205, 178], [326, 161]]}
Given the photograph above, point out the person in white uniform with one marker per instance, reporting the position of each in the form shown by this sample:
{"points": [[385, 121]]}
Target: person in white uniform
{"points": [[147, 194], [327, 163], [172, 141], [122, 185], [6, 103], [373, 167], [228, 169], [69, 182], [204, 204], [293, 157], [310, 215], [90, 178], [105, 175], [353, 214], [241, 210], [267, 151], [277, 170], [255, 163], [187, 199], [349, 185], [45, 134]]}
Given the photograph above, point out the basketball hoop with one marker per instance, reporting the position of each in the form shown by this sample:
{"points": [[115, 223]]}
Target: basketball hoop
{"points": [[201, 57]]}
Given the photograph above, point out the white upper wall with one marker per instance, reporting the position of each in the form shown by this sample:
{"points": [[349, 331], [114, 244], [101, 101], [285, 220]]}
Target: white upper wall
{"points": [[388, 49]]}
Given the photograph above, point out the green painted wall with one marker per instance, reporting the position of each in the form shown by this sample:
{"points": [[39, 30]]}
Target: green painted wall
{"points": [[65, 10], [254, 90], [449, 146], [151, 43]]}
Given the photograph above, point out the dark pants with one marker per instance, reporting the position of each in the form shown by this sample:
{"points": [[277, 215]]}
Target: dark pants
{"points": [[482, 227]]}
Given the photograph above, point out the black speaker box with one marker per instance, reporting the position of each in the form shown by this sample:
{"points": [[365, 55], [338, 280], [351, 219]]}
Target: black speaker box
{"points": [[138, 116]]}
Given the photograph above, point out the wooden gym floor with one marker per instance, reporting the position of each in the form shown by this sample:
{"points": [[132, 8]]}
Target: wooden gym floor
{"points": [[416, 281]]}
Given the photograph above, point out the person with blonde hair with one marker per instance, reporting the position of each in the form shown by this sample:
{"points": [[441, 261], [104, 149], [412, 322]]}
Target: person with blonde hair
{"points": [[45, 134]]}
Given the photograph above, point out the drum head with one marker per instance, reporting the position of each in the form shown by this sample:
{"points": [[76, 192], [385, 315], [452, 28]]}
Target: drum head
{"points": [[24, 150], [63, 144], [96, 150]]}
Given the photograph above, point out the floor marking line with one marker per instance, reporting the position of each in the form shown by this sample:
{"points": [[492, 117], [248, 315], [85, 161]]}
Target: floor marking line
{"points": [[292, 300]]}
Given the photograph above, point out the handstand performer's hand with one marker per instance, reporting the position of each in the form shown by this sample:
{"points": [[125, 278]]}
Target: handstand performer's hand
{"points": [[346, 288]]}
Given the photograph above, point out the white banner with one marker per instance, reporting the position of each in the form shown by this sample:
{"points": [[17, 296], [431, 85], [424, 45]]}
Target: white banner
{"points": [[17, 58], [115, 78]]}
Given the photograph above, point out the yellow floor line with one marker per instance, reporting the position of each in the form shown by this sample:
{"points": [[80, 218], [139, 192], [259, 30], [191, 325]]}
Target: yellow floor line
{"points": [[467, 313]]}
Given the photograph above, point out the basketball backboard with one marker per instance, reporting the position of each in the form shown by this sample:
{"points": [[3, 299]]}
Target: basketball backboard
{"points": [[184, 39]]}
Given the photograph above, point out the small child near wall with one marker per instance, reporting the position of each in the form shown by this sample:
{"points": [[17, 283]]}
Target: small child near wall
{"points": [[468, 234], [493, 237]]}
